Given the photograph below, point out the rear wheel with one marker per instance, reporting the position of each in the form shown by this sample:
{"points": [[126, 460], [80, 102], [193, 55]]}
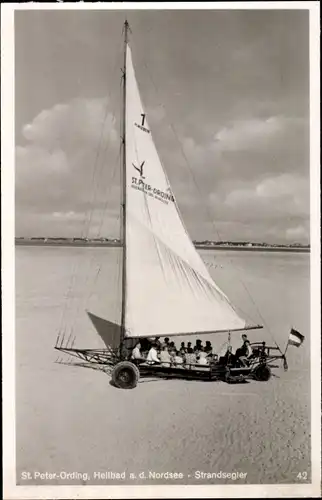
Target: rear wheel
{"points": [[262, 373], [125, 375]]}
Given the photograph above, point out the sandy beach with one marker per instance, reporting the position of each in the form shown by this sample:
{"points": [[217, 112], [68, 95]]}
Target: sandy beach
{"points": [[70, 419]]}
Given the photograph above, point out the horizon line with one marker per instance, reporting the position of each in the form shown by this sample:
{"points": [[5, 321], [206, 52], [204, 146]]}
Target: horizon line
{"points": [[204, 242]]}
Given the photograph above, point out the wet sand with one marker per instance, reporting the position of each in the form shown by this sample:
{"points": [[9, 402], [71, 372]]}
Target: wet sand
{"points": [[70, 419]]}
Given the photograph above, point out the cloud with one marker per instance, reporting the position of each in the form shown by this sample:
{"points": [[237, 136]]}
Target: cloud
{"points": [[248, 151], [67, 163], [297, 233], [255, 179], [68, 125], [67, 175], [67, 215], [269, 208], [67, 224], [286, 193], [238, 98], [250, 133]]}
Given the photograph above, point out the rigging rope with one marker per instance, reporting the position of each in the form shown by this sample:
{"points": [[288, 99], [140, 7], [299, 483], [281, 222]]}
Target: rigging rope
{"points": [[93, 188], [90, 294], [75, 269], [118, 159], [107, 196]]}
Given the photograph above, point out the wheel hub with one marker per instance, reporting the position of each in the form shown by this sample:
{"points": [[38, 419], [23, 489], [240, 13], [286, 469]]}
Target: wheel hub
{"points": [[125, 376]]}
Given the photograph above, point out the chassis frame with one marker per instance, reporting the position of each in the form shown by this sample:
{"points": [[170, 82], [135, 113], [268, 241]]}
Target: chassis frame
{"points": [[258, 368]]}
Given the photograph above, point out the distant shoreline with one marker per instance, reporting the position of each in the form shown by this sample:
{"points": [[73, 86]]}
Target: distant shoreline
{"points": [[200, 246]]}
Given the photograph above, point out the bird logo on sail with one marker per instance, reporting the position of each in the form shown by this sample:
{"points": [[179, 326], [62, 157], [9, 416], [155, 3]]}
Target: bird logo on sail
{"points": [[140, 169]]}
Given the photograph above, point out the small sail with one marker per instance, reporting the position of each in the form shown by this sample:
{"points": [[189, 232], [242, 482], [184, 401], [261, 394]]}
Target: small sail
{"points": [[169, 290]]}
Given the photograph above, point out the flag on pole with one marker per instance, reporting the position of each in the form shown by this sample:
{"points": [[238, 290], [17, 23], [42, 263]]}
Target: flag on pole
{"points": [[295, 338]]}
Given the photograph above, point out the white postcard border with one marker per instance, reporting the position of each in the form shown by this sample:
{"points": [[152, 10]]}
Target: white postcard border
{"points": [[11, 490]]}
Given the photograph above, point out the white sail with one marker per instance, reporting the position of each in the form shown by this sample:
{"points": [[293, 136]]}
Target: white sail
{"points": [[168, 288]]}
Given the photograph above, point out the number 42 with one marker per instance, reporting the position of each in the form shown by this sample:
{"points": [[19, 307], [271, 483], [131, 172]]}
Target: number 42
{"points": [[302, 475]]}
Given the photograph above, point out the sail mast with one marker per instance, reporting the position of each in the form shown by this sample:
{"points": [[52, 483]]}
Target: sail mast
{"points": [[125, 29]]}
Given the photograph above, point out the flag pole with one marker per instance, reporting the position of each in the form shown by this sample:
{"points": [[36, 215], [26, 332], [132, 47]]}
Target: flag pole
{"points": [[287, 343], [284, 355]]}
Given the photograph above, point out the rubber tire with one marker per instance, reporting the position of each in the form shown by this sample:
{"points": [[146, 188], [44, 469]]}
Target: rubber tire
{"points": [[263, 373], [125, 375]]}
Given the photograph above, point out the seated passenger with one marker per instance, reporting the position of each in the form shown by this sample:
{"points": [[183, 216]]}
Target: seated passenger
{"points": [[136, 353], [165, 357], [165, 342], [172, 346], [182, 349], [197, 348], [172, 353], [242, 351], [248, 353], [152, 357], [145, 346], [202, 357], [198, 343], [190, 357], [208, 348], [178, 359], [189, 345], [157, 341]]}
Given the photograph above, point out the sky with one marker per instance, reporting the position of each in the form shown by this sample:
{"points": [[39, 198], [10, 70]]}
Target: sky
{"points": [[227, 97]]}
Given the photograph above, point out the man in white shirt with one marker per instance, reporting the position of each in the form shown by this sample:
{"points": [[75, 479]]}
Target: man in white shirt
{"points": [[152, 357]]}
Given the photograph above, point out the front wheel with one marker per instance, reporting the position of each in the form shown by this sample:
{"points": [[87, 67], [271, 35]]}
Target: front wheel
{"points": [[262, 373], [125, 375]]}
